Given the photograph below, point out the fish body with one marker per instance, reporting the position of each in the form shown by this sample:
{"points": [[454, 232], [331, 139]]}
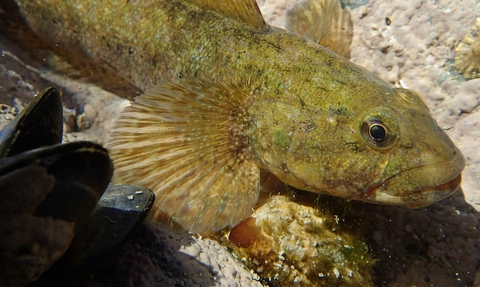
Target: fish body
{"points": [[227, 95]]}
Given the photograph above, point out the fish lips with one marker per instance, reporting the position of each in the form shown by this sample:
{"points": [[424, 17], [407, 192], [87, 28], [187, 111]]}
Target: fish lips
{"points": [[419, 186]]}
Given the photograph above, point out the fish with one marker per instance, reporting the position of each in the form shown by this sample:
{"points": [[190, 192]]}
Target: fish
{"points": [[227, 97]]}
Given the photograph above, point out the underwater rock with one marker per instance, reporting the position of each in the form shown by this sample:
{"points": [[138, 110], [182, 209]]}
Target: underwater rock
{"points": [[467, 59], [18, 82], [7, 114], [302, 246], [157, 256]]}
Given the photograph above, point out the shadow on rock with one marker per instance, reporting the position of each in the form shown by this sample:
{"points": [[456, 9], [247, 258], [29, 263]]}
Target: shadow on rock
{"points": [[434, 246], [154, 257]]}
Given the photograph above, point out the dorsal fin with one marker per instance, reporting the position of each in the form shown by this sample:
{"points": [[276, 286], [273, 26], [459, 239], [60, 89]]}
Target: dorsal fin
{"points": [[324, 22], [245, 11]]}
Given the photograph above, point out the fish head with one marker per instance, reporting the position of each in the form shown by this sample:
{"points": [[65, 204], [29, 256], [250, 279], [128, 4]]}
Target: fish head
{"points": [[391, 152], [420, 163]]}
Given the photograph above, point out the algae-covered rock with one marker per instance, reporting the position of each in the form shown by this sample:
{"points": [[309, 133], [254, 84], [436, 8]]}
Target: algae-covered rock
{"points": [[302, 245], [467, 59]]}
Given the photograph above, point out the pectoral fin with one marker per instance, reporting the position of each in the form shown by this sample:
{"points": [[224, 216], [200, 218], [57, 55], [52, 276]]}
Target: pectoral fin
{"points": [[187, 142]]}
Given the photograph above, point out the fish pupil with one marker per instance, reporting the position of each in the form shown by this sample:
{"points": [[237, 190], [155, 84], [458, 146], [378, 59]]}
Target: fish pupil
{"points": [[378, 132]]}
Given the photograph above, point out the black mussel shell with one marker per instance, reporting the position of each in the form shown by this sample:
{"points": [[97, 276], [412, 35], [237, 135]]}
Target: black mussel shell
{"points": [[117, 215], [116, 218], [47, 193], [81, 172], [39, 124]]}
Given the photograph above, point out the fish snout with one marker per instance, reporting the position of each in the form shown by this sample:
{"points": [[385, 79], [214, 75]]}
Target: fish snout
{"points": [[420, 185]]}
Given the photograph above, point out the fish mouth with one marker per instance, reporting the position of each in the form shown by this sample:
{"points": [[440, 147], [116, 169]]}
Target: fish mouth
{"points": [[419, 186]]}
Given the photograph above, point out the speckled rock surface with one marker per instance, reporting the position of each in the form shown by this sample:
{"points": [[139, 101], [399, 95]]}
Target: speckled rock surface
{"points": [[303, 245], [435, 246], [18, 83], [467, 58], [157, 256]]}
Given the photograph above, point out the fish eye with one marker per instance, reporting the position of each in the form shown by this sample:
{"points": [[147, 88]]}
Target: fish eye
{"points": [[380, 129], [377, 132]]}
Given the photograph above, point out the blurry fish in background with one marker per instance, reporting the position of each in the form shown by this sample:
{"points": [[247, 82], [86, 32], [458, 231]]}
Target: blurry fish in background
{"points": [[228, 96]]}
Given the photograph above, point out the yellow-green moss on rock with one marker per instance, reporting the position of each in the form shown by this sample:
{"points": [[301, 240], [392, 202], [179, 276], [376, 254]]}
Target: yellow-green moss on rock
{"points": [[302, 246]]}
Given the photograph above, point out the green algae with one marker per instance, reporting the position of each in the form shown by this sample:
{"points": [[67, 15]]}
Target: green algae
{"points": [[281, 140], [308, 242]]}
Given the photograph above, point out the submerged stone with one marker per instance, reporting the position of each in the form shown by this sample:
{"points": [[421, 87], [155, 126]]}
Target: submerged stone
{"points": [[306, 244], [467, 59]]}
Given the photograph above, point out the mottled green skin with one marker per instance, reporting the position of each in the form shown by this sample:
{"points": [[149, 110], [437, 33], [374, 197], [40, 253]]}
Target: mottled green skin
{"points": [[309, 103]]}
